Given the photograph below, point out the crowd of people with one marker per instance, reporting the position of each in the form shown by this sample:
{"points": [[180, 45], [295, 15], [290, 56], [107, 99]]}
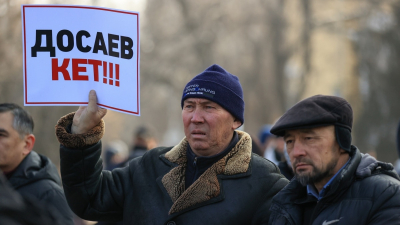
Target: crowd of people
{"points": [[302, 169]]}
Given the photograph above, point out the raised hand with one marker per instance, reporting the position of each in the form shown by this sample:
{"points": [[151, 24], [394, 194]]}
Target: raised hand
{"points": [[89, 116]]}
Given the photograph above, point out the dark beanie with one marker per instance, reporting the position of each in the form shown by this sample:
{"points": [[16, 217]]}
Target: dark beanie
{"points": [[219, 86], [318, 111]]}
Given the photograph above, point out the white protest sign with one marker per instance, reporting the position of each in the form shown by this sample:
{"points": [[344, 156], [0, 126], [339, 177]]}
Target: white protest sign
{"points": [[69, 50]]}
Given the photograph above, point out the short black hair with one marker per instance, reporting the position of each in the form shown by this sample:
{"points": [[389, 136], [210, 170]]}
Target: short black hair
{"points": [[23, 122]]}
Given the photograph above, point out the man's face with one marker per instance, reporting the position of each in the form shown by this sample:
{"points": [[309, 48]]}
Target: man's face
{"points": [[208, 127], [314, 153], [12, 147]]}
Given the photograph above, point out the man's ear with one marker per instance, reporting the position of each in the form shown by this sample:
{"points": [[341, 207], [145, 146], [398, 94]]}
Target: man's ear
{"points": [[29, 143], [236, 124]]}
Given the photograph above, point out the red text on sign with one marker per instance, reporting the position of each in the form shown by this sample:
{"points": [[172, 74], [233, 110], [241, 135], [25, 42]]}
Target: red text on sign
{"points": [[79, 67]]}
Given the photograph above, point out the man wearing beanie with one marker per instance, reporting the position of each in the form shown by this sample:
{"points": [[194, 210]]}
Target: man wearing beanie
{"points": [[210, 177], [334, 182]]}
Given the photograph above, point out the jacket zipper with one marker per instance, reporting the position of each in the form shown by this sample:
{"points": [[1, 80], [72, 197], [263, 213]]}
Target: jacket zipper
{"points": [[195, 169]]}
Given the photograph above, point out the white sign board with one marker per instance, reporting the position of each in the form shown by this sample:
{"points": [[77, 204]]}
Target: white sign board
{"points": [[69, 50]]}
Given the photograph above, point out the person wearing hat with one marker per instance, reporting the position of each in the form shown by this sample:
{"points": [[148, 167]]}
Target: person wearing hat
{"points": [[334, 182], [210, 177]]}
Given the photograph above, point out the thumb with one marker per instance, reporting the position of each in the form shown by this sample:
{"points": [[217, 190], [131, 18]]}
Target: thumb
{"points": [[92, 105]]}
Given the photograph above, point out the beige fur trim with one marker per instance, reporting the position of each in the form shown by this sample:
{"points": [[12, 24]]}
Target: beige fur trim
{"points": [[206, 186], [77, 140], [173, 182]]}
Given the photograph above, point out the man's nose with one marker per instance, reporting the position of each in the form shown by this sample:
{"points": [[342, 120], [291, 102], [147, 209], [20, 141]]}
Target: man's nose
{"points": [[298, 150], [197, 116]]}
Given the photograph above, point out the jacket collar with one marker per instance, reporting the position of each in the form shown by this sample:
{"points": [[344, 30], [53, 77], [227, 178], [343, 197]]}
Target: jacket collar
{"points": [[207, 187], [32, 168]]}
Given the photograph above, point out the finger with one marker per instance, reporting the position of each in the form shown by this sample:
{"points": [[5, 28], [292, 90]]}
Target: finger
{"points": [[92, 100], [80, 110]]}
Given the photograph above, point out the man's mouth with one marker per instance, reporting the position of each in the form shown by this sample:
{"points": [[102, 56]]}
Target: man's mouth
{"points": [[301, 165], [198, 132]]}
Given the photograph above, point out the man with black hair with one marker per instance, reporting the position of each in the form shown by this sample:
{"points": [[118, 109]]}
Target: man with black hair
{"points": [[28, 172], [210, 177], [334, 182]]}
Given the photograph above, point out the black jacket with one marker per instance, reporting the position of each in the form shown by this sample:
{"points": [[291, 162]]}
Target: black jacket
{"points": [[37, 177], [236, 190], [365, 192], [16, 209]]}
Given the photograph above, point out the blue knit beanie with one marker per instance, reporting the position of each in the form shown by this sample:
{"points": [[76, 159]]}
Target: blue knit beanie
{"points": [[219, 86], [265, 133]]}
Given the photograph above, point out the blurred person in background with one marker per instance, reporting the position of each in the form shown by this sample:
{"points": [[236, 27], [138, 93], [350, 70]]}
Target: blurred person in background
{"points": [[115, 154], [143, 140], [210, 177], [285, 166], [28, 172], [275, 151], [264, 136], [256, 146], [334, 182], [273, 145]]}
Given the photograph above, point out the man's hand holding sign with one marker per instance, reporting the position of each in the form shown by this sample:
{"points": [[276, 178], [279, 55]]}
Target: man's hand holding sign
{"points": [[88, 116]]}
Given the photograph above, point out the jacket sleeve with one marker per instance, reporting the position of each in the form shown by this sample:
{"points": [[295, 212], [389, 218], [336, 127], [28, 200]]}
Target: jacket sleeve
{"points": [[55, 200], [274, 182], [277, 218], [92, 194], [386, 207], [264, 212]]}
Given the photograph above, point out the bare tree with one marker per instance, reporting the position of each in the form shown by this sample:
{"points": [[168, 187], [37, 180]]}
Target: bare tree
{"points": [[377, 45]]}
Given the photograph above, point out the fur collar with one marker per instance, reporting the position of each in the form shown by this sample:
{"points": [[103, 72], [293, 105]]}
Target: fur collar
{"points": [[207, 185]]}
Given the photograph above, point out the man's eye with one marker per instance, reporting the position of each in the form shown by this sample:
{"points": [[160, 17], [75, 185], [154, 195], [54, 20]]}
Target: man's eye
{"points": [[289, 142]]}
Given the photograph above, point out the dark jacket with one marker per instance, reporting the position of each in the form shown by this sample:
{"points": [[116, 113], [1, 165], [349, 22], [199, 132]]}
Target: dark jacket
{"points": [[16, 209], [236, 190], [37, 177], [365, 192]]}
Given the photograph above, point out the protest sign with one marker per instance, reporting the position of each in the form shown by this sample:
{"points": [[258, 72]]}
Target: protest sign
{"points": [[69, 50]]}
